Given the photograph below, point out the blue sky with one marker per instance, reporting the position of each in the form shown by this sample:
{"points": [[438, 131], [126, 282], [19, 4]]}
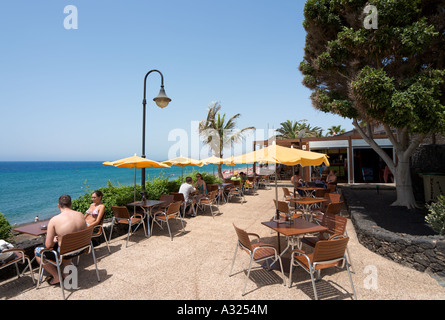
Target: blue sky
{"points": [[76, 94]]}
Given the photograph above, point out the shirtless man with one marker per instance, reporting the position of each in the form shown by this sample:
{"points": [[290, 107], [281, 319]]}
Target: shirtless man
{"points": [[68, 221]]}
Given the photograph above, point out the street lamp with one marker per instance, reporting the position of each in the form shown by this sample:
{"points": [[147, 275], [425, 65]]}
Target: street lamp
{"points": [[162, 101]]}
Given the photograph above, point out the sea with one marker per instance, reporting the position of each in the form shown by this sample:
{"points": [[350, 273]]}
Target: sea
{"points": [[31, 189]]}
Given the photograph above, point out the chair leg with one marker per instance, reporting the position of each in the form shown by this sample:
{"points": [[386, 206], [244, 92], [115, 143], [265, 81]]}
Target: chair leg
{"points": [[30, 270], [248, 274], [168, 227], [311, 271], [128, 233], [350, 278], [112, 225], [106, 241], [233, 260], [60, 278], [95, 262]]}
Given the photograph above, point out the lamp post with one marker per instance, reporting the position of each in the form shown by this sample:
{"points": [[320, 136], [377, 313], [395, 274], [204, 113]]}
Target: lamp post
{"points": [[162, 101]]}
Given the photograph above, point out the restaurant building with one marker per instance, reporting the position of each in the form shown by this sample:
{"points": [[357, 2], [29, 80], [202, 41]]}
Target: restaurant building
{"points": [[350, 156]]}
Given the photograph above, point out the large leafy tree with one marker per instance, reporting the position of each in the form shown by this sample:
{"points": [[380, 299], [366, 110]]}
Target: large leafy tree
{"points": [[219, 133], [390, 74]]}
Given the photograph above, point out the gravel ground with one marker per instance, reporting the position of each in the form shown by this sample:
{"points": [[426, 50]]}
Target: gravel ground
{"points": [[196, 264]]}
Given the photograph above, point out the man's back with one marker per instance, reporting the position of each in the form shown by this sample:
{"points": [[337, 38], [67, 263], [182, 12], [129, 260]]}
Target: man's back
{"points": [[68, 221], [186, 189]]}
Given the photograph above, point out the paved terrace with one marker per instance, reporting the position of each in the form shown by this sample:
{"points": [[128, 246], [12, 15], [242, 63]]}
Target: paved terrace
{"points": [[195, 266]]}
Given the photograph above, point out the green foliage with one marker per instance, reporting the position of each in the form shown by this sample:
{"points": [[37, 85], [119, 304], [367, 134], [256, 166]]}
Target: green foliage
{"points": [[5, 228], [392, 75], [121, 195], [436, 217]]}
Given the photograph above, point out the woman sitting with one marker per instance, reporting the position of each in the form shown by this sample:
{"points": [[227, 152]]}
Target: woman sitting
{"points": [[96, 211]]}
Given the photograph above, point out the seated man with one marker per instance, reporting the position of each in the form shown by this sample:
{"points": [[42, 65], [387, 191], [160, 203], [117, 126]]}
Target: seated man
{"points": [[188, 191], [67, 221]]}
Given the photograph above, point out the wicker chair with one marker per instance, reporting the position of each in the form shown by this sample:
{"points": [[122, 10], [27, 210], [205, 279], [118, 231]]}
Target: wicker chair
{"points": [[122, 216], [15, 256], [173, 211], [257, 252], [327, 254], [72, 245], [210, 201]]}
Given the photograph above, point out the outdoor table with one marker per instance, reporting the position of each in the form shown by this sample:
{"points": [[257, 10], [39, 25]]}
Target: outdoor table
{"points": [[306, 203], [293, 230], [33, 229], [146, 206], [309, 191]]}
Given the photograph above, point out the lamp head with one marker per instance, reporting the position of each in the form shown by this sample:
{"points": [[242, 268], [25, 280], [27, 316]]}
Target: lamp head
{"points": [[162, 100]]}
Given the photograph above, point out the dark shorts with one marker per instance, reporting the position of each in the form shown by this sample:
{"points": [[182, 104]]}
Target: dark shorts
{"points": [[50, 255]]}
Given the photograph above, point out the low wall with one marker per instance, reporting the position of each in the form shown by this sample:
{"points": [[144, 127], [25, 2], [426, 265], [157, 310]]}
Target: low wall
{"points": [[423, 253]]}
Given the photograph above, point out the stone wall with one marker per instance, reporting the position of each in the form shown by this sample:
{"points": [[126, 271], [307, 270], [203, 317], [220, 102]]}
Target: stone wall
{"points": [[423, 253]]}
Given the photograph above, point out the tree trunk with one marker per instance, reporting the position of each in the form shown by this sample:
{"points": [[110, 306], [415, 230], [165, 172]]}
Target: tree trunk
{"points": [[220, 175], [404, 187], [403, 146]]}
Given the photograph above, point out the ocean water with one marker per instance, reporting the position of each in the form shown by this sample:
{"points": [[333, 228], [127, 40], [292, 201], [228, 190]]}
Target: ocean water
{"points": [[32, 188]]}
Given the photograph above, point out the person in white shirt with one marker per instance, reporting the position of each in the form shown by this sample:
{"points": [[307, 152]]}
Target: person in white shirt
{"points": [[188, 191]]}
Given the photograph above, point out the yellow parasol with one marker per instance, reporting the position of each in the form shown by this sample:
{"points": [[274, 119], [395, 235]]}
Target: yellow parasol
{"points": [[282, 155], [183, 162], [135, 162]]}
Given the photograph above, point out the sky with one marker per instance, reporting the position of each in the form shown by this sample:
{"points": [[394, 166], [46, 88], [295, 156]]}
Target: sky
{"points": [[74, 92]]}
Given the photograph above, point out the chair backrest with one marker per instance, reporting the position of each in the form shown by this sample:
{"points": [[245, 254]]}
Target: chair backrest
{"points": [[212, 195], [168, 198], [335, 223], [334, 197], [282, 206], [243, 238], [237, 183], [320, 193], [327, 250], [76, 240], [212, 187], [121, 212], [331, 187], [173, 208], [177, 196], [286, 191], [334, 208]]}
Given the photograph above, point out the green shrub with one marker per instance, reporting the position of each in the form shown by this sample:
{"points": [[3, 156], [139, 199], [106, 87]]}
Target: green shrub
{"points": [[112, 196], [121, 195], [436, 217], [5, 228]]}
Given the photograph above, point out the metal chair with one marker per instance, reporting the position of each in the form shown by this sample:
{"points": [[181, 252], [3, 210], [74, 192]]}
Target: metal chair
{"points": [[327, 254], [98, 231], [209, 201], [122, 216], [72, 245], [257, 252], [179, 197], [236, 190], [284, 210], [173, 211], [14, 256]]}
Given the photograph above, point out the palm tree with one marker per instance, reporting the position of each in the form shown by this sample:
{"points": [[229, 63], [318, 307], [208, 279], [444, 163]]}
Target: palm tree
{"points": [[297, 129], [218, 133], [334, 130]]}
